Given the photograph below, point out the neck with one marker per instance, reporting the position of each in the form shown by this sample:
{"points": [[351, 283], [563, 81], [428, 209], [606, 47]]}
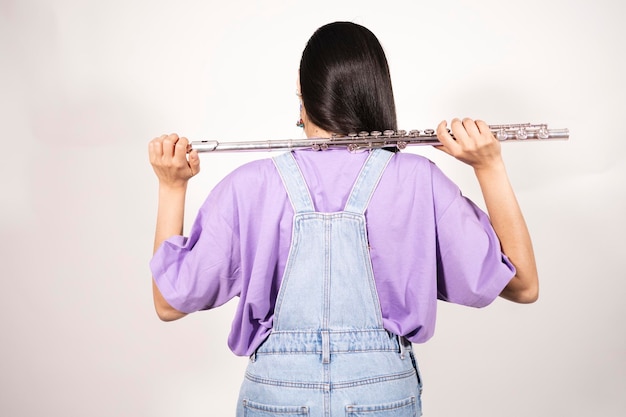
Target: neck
{"points": [[312, 131]]}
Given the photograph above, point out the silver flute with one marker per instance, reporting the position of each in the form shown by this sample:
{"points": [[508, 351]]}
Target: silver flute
{"points": [[400, 139]]}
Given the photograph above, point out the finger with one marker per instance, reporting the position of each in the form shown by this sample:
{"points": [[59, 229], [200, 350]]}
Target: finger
{"points": [[448, 143], [458, 130], [169, 144], [155, 149], [442, 133], [180, 151], [470, 127], [483, 127]]}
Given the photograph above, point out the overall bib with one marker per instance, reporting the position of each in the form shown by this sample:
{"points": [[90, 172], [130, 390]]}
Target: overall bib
{"points": [[328, 354]]}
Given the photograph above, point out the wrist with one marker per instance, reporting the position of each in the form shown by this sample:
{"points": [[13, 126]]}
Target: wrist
{"points": [[172, 188], [495, 167]]}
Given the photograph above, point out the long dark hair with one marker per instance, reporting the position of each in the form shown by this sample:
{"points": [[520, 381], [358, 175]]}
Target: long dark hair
{"points": [[345, 82]]}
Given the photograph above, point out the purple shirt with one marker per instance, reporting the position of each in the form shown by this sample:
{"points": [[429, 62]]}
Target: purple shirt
{"points": [[427, 241]]}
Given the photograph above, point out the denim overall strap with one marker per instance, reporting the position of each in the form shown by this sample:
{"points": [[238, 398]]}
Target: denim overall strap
{"points": [[294, 183], [328, 283], [367, 181]]}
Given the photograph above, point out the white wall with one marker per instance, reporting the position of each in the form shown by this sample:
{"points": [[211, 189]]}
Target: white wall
{"points": [[84, 85]]}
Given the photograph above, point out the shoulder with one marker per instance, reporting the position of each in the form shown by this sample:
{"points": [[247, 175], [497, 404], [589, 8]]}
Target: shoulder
{"points": [[253, 170], [420, 177], [411, 161], [249, 177], [419, 167], [243, 186]]}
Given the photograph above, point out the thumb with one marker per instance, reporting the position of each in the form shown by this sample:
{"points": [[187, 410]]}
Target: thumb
{"points": [[194, 162], [442, 148]]}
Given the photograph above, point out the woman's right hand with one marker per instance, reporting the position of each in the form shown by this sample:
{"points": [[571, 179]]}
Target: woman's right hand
{"points": [[172, 163], [473, 142]]}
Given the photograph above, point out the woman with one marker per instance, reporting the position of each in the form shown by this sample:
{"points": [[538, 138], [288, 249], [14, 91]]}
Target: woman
{"points": [[338, 259]]}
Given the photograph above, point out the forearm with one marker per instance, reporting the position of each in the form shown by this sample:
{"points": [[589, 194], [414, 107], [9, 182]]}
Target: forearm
{"points": [[170, 214], [170, 219], [509, 224]]}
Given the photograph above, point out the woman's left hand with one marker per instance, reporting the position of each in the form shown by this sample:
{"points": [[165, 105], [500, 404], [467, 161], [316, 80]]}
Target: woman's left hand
{"points": [[170, 161]]}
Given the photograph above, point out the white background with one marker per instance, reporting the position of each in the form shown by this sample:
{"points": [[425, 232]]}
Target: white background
{"points": [[86, 84]]}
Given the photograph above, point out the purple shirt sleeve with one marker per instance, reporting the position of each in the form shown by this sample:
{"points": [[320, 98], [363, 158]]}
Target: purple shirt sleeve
{"points": [[471, 269], [201, 271]]}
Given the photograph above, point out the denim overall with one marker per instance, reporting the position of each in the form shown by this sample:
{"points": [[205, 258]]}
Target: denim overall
{"points": [[328, 354]]}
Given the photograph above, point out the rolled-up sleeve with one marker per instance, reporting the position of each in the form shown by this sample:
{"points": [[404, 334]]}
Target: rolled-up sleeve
{"points": [[201, 271], [471, 268]]}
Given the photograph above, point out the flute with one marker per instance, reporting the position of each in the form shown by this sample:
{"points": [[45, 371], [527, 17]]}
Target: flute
{"points": [[400, 139]]}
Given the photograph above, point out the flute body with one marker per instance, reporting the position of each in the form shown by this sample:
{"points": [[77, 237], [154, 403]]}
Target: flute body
{"points": [[400, 139]]}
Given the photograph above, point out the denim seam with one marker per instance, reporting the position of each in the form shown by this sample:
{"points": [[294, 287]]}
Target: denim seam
{"points": [[331, 385], [374, 380], [320, 351], [383, 407]]}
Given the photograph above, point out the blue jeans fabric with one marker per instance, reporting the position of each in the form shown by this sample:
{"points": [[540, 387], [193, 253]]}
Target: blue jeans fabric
{"points": [[328, 354]]}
